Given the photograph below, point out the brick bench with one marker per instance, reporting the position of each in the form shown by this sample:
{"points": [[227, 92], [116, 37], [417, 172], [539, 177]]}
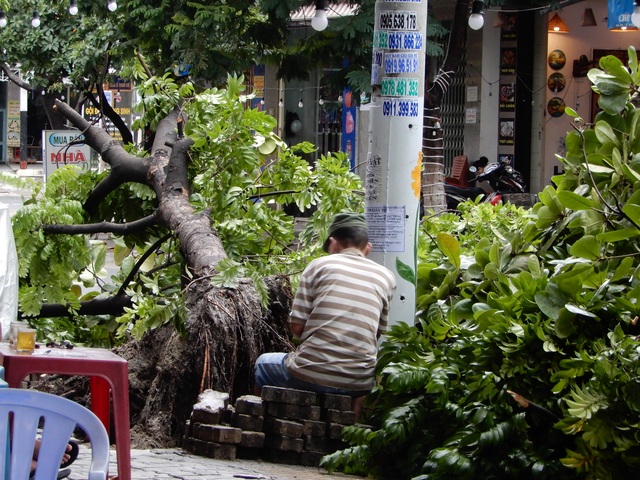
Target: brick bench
{"points": [[282, 426]]}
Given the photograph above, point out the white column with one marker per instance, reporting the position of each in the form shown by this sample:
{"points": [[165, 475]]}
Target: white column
{"points": [[394, 157]]}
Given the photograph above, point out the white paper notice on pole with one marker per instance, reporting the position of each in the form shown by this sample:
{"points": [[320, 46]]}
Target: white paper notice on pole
{"points": [[373, 180], [386, 227]]}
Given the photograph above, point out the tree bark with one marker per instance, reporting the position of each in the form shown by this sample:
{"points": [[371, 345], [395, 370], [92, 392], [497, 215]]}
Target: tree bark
{"points": [[433, 146]]}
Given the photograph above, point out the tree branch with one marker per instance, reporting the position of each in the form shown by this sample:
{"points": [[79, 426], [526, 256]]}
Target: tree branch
{"points": [[124, 167], [114, 305], [105, 109], [104, 227], [15, 78]]}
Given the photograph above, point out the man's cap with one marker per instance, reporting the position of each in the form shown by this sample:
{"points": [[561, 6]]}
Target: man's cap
{"points": [[349, 220]]}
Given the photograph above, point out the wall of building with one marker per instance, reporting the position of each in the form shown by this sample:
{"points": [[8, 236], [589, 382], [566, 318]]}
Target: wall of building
{"points": [[489, 93], [577, 92]]}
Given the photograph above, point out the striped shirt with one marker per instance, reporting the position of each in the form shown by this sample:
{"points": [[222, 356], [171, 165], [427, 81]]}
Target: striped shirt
{"points": [[342, 303]]}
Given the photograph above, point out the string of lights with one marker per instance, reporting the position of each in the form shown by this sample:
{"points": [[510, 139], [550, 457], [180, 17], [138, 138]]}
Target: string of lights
{"points": [[112, 6]]}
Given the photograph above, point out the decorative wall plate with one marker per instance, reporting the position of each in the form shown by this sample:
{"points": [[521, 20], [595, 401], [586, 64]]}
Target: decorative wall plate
{"points": [[556, 82], [555, 107], [557, 59]]}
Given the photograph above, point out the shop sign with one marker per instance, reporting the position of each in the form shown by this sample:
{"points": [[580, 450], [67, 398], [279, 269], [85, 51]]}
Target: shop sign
{"points": [[619, 15], [59, 149]]}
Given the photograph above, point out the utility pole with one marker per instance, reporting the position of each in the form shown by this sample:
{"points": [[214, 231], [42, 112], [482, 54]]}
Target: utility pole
{"points": [[394, 157]]}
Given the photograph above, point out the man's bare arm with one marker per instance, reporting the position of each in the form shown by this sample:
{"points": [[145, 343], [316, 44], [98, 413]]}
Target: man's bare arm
{"points": [[296, 329]]}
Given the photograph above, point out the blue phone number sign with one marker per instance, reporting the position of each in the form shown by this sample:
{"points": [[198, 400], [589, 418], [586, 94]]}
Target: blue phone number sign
{"points": [[398, 40], [400, 107], [401, 62]]}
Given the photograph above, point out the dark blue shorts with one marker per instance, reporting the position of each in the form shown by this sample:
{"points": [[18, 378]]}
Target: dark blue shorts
{"points": [[271, 370]]}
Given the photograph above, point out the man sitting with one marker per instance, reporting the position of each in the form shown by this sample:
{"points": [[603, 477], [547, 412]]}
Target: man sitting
{"points": [[339, 312]]}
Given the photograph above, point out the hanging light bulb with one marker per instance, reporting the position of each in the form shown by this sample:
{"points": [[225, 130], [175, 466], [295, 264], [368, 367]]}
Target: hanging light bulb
{"points": [[476, 19], [319, 21], [281, 103], [340, 98], [35, 20], [73, 7], [321, 101], [112, 5], [262, 101], [300, 104], [3, 19], [635, 16]]}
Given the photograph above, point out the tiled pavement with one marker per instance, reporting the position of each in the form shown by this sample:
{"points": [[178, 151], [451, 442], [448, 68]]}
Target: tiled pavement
{"points": [[178, 464]]}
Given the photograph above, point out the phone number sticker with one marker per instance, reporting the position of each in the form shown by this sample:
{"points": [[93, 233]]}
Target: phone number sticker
{"points": [[401, 63], [398, 40], [398, 20], [399, 87], [400, 107]]}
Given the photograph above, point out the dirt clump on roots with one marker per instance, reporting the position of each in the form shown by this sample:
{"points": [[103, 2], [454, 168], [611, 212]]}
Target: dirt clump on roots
{"points": [[226, 330]]}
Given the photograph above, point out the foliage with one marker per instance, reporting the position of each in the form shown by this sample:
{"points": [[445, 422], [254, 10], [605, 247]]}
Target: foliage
{"points": [[524, 361], [63, 46], [211, 38], [240, 171]]}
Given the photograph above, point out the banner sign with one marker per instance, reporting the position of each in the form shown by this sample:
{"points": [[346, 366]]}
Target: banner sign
{"points": [[619, 15], [58, 150]]}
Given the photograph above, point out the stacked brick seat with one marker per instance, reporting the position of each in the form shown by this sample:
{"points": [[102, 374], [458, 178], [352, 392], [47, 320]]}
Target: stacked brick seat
{"points": [[282, 426]]}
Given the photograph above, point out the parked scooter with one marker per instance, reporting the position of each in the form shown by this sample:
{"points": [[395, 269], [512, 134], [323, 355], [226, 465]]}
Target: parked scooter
{"points": [[456, 194], [502, 178], [495, 180]]}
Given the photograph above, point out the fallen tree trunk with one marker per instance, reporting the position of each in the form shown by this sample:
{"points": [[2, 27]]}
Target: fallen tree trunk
{"points": [[226, 328]]}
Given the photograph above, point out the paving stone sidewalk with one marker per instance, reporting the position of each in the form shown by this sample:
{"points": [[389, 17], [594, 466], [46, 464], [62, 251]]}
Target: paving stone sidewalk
{"points": [[178, 464]]}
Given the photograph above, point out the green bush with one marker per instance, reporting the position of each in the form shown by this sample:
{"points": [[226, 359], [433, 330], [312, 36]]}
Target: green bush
{"points": [[524, 361]]}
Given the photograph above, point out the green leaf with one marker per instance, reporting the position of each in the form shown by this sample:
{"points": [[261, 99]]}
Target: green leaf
{"points": [[579, 311], [586, 247], [623, 269], [450, 247], [618, 235], [632, 208], [574, 201], [405, 271], [546, 216], [551, 301], [598, 168], [604, 133], [564, 325]]}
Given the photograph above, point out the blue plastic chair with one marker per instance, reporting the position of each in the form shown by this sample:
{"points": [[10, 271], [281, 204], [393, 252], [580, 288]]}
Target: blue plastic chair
{"points": [[60, 417]]}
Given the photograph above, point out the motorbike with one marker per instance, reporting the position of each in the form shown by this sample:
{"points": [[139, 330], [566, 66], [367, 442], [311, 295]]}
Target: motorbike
{"points": [[502, 178], [497, 178]]}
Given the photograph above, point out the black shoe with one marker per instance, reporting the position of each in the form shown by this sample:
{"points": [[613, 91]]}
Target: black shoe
{"points": [[64, 473]]}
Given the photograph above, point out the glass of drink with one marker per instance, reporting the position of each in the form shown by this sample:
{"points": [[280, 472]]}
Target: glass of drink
{"points": [[13, 333], [26, 340]]}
